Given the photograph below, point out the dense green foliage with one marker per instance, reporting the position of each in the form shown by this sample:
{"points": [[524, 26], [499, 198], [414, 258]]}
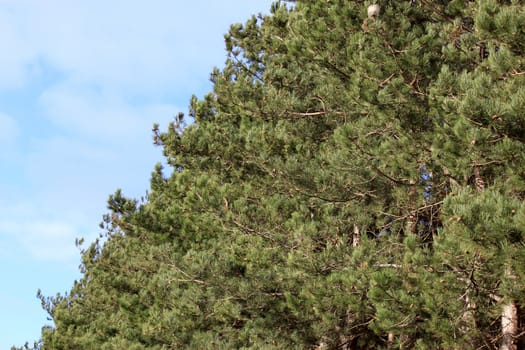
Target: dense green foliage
{"points": [[406, 131]]}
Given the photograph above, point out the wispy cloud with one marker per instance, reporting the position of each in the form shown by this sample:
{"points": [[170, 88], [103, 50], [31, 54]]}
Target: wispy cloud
{"points": [[8, 129], [89, 112], [43, 240], [130, 46], [17, 51]]}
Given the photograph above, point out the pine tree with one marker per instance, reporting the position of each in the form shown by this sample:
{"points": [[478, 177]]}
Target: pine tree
{"points": [[351, 182]]}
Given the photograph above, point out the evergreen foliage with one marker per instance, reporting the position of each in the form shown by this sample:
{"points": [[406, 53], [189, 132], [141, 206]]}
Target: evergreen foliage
{"points": [[324, 126]]}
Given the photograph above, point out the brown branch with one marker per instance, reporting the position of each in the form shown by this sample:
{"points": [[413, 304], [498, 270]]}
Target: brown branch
{"points": [[189, 278], [311, 114], [395, 266]]}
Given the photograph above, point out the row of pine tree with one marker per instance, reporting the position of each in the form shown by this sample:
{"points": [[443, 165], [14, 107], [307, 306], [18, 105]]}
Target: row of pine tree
{"points": [[351, 182]]}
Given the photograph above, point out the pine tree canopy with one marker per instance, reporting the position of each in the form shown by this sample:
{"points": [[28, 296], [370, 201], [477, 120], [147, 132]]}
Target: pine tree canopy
{"points": [[349, 183]]}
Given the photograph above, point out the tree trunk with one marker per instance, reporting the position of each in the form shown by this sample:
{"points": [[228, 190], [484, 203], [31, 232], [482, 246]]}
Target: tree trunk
{"points": [[478, 179], [469, 321], [390, 340], [509, 327], [411, 221], [356, 238], [509, 321]]}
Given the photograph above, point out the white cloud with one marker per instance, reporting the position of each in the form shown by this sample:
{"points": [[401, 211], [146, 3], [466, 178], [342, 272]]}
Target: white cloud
{"points": [[8, 129], [40, 230], [16, 51], [42, 240], [91, 112], [132, 46]]}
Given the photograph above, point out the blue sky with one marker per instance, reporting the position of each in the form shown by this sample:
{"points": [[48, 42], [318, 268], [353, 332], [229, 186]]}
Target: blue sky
{"points": [[81, 83]]}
